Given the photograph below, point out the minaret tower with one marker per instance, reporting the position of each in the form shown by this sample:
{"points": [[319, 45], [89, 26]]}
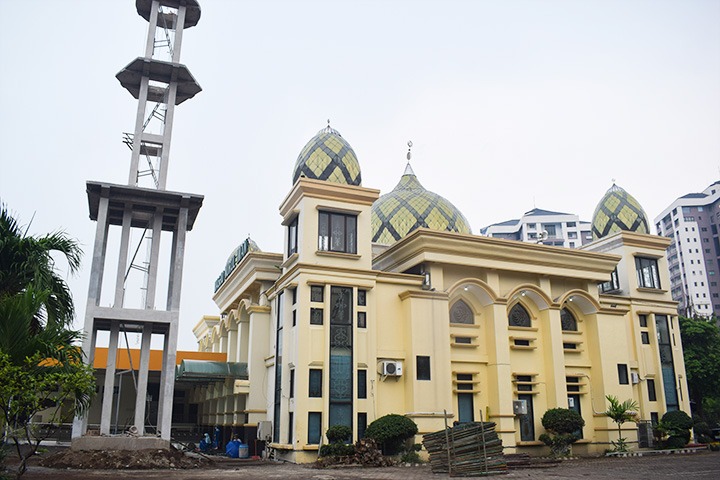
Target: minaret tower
{"points": [[142, 214]]}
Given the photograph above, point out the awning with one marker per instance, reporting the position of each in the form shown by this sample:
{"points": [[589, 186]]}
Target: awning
{"points": [[203, 371]]}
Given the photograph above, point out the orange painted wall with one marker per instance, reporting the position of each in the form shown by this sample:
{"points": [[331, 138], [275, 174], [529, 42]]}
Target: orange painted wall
{"points": [[123, 362]]}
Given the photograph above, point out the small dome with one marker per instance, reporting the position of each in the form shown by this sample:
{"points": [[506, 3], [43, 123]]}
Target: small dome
{"points": [[618, 210], [409, 207], [327, 156], [248, 245]]}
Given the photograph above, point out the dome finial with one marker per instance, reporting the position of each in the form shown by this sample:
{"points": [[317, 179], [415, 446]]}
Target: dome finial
{"points": [[408, 168]]}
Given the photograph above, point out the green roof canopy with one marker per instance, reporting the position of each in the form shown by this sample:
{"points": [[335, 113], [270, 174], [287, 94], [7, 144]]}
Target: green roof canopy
{"points": [[204, 371]]}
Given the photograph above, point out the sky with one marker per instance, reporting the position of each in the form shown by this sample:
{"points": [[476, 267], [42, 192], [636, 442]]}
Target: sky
{"points": [[510, 105]]}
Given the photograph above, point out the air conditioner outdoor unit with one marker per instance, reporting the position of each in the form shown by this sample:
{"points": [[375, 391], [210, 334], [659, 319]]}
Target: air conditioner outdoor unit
{"points": [[264, 430], [634, 378], [391, 368], [520, 407]]}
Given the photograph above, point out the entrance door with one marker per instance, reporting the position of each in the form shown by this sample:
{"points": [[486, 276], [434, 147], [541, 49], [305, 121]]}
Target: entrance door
{"points": [[465, 407], [574, 404]]}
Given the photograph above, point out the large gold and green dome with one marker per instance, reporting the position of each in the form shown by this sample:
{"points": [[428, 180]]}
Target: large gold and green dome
{"points": [[618, 210], [409, 207], [327, 156]]}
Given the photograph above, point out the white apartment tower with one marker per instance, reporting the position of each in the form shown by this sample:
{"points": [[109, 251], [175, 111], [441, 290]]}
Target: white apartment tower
{"points": [[543, 226], [692, 223]]}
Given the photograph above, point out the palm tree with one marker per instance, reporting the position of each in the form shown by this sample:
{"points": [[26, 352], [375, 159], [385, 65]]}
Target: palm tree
{"points": [[621, 413], [27, 262], [41, 364]]}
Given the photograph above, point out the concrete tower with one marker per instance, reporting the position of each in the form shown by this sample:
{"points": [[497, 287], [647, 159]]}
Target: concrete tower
{"points": [[139, 213]]}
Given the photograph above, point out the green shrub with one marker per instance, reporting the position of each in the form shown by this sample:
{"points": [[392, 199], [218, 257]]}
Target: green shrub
{"points": [[562, 420], [339, 433], [678, 425], [336, 450], [410, 457], [391, 431], [675, 442], [562, 423]]}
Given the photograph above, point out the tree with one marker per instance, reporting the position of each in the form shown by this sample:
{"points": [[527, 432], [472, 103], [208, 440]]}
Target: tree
{"points": [[40, 364], [621, 413], [701, 348], [40, 385], [27, 261], [562, 423]]}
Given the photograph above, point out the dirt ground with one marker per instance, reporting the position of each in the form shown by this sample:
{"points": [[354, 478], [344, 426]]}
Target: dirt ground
{"points": [[122, 459], [697, 466]]}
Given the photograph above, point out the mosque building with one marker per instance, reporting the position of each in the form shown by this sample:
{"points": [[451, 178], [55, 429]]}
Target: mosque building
{"points": [[384, 304]]}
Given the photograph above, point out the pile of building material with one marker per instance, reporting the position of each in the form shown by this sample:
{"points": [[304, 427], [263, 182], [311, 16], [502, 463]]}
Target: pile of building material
{"points": [[466, 450]]}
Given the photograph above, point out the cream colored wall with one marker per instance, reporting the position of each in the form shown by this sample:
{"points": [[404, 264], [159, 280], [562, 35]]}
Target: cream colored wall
{"points": [[404, 321]]}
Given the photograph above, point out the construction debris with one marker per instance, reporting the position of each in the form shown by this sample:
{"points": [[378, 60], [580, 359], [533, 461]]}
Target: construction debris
{"points": [[466, 450]]}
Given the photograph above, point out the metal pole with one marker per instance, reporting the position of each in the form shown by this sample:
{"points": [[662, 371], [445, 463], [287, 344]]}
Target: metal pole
{"points": [[482, 432], [447, 443]]}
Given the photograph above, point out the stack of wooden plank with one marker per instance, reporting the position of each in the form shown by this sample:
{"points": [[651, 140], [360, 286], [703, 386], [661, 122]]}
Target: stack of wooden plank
{"points": [[466, 450]]}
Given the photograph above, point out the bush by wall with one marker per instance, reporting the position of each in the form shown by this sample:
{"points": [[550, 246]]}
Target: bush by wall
{"points": [[391, 431]]}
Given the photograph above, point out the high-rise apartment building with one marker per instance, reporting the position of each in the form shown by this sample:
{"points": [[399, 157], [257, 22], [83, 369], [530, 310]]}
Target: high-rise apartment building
{"points": [[692, 223], [543, 226]]}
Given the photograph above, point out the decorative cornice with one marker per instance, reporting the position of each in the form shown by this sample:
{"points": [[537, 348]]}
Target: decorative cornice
{"points": [[464, 249], [321, 189]]}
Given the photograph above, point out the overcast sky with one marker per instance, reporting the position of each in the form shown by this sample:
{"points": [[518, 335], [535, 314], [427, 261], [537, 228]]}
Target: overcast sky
{"points": [[510, 105]]}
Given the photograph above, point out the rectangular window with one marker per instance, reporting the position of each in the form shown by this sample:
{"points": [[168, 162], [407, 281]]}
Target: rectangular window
{"points": [[362, 297], [643, 320], [314, 427], [571, 224], [527, 421], [278, 366], [337, 232], [290, 427], [611, 285], [423, 367], [645, 337], [521, 342], [464, 381], [362, 424], [316, 316], [463, 340], [523, 383], [294, 318], [317, 293], [647, 271], [315, 384], [666, 361], [340, 411], [622, 374], [362, 383], [361, 319], [550, 229], [572, 384], [292, 236], [292, 383], [652, 396], [570, 346]]}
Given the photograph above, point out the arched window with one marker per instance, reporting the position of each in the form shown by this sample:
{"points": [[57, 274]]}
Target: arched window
{"points": [[568, 320], [519, 316], [460, 312]]}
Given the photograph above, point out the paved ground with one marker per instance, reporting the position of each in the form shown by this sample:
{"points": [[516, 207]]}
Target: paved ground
{"points": [[695, 466]]}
